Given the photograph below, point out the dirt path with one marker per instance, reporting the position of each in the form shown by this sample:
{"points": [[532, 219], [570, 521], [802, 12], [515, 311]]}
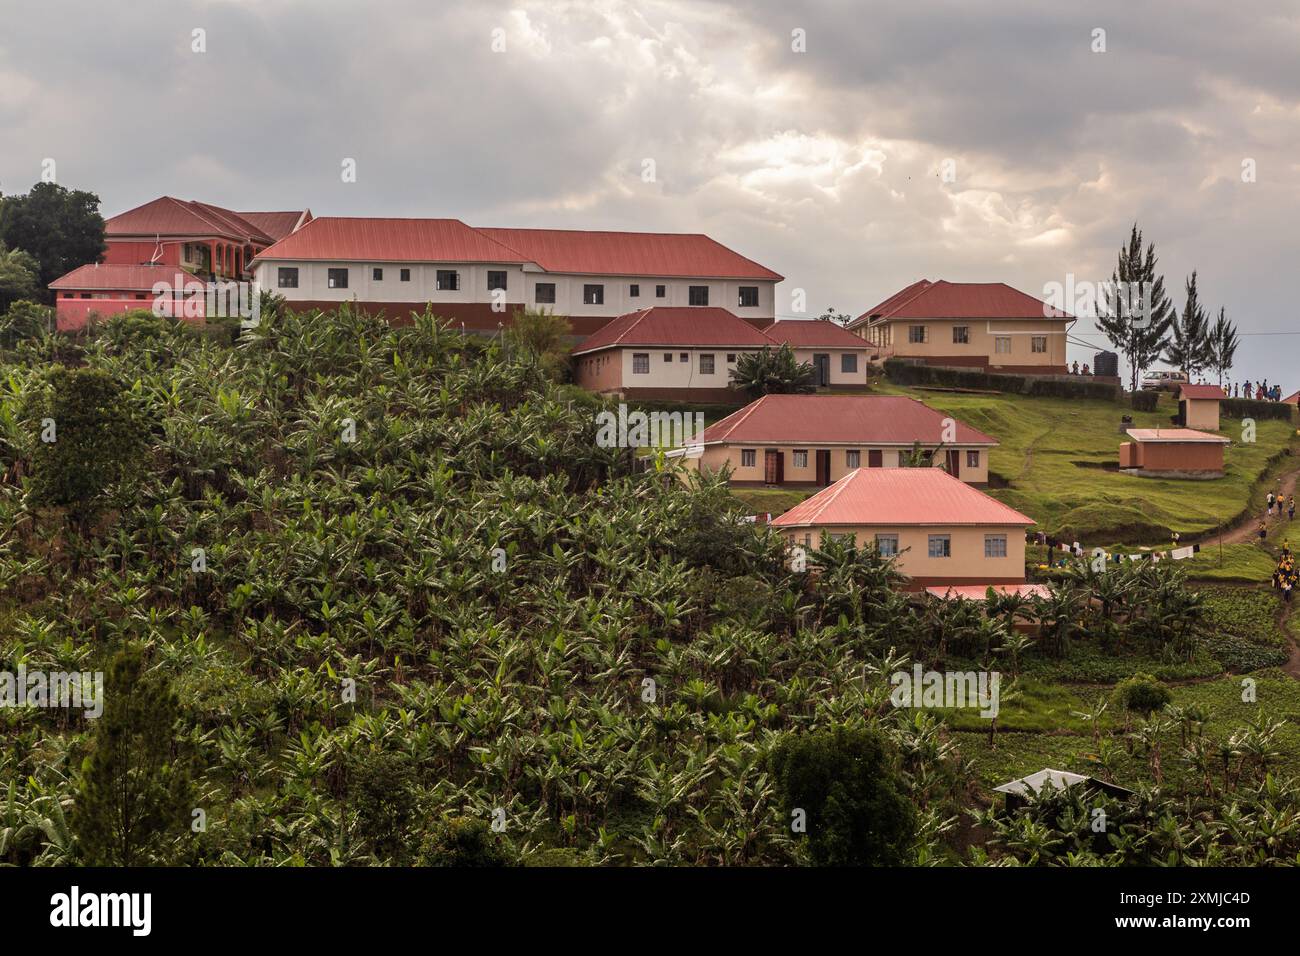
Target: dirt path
{"points": [[1248, 528], [1292, 666]]}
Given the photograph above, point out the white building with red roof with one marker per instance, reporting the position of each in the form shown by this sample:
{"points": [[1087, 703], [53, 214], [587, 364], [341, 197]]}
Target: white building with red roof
{"points": [[838, 357], [813, 440], [940, 530], [477, 277], [985, 325]]}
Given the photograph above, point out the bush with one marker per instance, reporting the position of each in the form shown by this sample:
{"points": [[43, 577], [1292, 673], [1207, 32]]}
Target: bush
{"points": [[463, 842], [24, 320], [1144, 401], [909, 373], [1142, 694], [848, 786], [1241, 656], [1249, 408]]}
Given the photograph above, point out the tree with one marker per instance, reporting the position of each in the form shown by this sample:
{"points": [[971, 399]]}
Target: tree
{"points": [[839, 318], [1222, 345], [769, 371], [1139, 334], [91, 438], [24, 320], [18, 272], [847, 783], [1189, 344], [60, 228], [135, 795], [545, 337], [463, 842], [382, 791]]}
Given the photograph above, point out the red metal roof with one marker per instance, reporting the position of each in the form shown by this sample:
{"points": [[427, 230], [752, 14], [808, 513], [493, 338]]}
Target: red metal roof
{"points": [[167, 216], [900, 496], [1292, 399], [813, 334], [339, 238], [960, 300], [116, 277], [1176, 435], [676, 327], [666, 255], [840, 419], [1201, 391], [276, 225]]}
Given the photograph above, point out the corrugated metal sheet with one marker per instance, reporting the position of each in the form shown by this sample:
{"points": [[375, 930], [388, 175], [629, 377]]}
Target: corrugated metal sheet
{"points": [[840, 419], [813, 334], [961, 300], [112, 276], [676, 326], [390, 240]]}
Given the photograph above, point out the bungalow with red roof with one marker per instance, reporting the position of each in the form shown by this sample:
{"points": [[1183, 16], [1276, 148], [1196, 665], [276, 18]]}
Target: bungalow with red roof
{"points": [[159, 240], [939, 530], [1198, 406], [838, 357], [985, 325], [813, 440], [668, 353], [479, 277], [1172, 453]]}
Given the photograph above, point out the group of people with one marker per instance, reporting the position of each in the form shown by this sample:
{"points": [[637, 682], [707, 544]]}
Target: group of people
{"points": [[1284, 578], [1075, 369], [1263, 392], [1280, 502]]}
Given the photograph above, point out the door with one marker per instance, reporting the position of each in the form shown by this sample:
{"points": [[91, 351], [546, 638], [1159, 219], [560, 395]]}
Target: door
{"points": [[823, 467], [875, 458], [954, 462], [822, 370], [773, 467]]}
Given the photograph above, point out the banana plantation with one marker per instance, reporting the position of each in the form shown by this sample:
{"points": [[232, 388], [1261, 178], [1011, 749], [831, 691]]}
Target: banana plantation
{"points": [[393, 584]]}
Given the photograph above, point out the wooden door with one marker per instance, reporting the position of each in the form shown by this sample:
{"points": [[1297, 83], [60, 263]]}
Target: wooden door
{"points": [[954, 462], [823, 467], [773, 467]]}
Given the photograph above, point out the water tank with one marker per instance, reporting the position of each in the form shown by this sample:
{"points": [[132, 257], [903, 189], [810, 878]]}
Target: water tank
{"points": [[1105, 363]]}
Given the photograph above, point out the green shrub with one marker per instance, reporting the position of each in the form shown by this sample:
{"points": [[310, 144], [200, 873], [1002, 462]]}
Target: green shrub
{"points": [[1144, 401], [1142, 694], [1249, 408], [463, 842], [1240, 655], [902, 372]]}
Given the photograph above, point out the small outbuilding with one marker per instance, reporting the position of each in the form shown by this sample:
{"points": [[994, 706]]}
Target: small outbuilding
{"points": [[1021, 791], [1172, 453], [1198, 406]]}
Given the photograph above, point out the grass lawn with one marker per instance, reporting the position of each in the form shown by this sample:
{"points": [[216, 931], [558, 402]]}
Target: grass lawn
{"points": [[1059, 460]]}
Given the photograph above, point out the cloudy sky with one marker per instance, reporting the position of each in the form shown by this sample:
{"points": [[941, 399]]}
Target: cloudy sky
{"points": [[813, 137]]}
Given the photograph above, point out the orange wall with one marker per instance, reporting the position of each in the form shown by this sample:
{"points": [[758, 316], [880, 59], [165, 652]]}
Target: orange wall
{"points": [[1180, 456], [967, 563]]}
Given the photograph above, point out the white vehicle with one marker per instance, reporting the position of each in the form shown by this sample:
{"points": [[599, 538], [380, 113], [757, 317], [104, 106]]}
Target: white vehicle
{"points": [[1161, 380]]}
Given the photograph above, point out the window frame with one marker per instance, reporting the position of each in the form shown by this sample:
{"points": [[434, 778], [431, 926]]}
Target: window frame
{"points": [[280, 276], [749, 458], [852, 458], [963, 338], [916, 334], [848, 363], [332, 276], [438, 279], [747, 292], [640, 363], [887, 537], [707, 358], [549, 298], [944, 540], [694, 292], [495, 274], [593, 293], [995, 539]]}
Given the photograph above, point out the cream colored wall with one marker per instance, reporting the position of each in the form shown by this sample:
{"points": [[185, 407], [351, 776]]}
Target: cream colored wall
{"points": [[1203, 414], [892, 336], [967, 560], [717, 456], [678, 374], [838, 377]]}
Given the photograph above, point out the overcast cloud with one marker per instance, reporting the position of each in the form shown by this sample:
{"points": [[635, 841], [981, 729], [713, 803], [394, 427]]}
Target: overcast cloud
{"points": [[824, 165]]}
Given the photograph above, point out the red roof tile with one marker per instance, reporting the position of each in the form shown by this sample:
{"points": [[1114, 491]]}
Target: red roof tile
{"points": [[813, 334], [676, 326], [839, 419], [1201, 391], [1176, 435], [666, 255], [900, 496], [112, 276], [960, 300], [366, 239], [167, 216]]}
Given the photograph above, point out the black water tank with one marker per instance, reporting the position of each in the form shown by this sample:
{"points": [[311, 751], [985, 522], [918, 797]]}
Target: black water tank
{"points": [[1105, 363]]}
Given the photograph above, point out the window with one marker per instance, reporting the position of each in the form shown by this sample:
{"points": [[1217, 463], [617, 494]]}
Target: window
{"points": [[661, 291], [448, 280], [887, 545], [685, 357], [640, 363], [800, 458], [875, 458], [749, 296], [748, 457], [593, 295], [972, 459], [853, 459], [377, 274], [731, 357], [699, 295], [634, 290], [287, 277], [544, 292], [668, 356], [1002, 344], [940, 546], [916, 334], [1038, 343], [706, 363], [337, 278], [404, 275], [848, 362], [961, 334], [496, 279], [995, 546]]}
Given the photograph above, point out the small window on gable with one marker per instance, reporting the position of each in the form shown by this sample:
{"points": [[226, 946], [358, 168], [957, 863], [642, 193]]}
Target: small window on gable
{"points": [[404, 275], [377, 274]]}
